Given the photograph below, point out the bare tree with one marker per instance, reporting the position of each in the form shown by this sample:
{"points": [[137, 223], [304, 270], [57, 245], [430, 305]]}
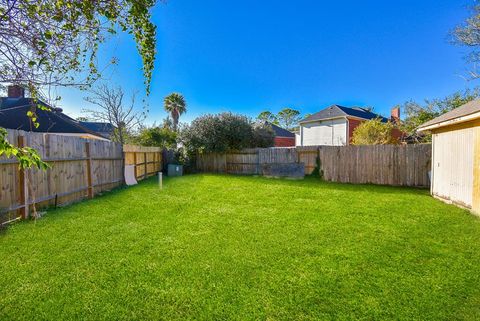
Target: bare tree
{"points": [[113, 109], [468, 35]]}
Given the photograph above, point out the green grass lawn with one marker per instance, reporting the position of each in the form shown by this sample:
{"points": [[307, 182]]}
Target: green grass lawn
{"points": [[212, 247]]}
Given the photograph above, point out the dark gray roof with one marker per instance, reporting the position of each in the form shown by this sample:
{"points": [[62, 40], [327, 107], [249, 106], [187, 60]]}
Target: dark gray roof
{"points": [[50, 121], [280, 132], [104, 128], [340, 111], [8, 102], [464, 110]]}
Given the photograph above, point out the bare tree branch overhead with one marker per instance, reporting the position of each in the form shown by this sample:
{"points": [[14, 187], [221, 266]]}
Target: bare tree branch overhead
{"points": [[47, 43], [468, 35], [112, 108]]}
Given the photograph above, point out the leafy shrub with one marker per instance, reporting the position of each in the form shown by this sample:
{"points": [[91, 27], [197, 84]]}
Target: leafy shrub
{"points": [[317, 171], [374, 132], [157, 137], [263, 136], [223, 133]]}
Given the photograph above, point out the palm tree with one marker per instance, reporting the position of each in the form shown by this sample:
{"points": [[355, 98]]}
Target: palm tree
{"points": [[175, 105]]}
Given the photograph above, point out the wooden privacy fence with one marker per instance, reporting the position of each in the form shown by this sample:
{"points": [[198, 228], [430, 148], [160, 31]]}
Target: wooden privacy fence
{"points": [[147, 160], [397, 165], [80, 168], [245, 162]]}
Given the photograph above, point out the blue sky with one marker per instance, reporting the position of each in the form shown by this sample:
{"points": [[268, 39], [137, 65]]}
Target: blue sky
{"points": [[249, 56]]}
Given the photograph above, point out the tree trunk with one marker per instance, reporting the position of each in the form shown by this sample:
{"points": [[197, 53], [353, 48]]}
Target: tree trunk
{"points": [[175, 117], [120, 135]]}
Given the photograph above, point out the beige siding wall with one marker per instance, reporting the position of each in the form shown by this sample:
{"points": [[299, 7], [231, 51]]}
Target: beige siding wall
{"points": [[476, 171], [456, 164], [453, 166], [331, 132]]}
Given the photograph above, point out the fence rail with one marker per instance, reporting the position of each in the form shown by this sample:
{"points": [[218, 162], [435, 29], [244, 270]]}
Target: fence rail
{"points": [[398, 165], [80, 168]]}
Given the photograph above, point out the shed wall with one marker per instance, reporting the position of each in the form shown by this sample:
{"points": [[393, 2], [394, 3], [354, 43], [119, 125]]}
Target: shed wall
{"points": [[453, 166], [456, 164]]}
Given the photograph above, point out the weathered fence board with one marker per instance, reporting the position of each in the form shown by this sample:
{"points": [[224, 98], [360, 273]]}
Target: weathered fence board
{"points": [[244, 162], [80, 168], [212, 163], [277, 155], [396, 165], [308, 156], [407, 165]]}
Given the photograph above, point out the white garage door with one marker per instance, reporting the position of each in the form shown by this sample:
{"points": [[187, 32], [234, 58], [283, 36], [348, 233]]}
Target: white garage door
{"points": [[329, 132], [453, 165]]}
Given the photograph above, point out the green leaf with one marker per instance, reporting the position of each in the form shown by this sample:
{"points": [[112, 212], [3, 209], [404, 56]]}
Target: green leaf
{"points": [[48, 34]]}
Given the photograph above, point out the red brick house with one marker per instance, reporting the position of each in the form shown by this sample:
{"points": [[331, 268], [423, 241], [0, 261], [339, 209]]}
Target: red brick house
{"points": [[283, 137]]}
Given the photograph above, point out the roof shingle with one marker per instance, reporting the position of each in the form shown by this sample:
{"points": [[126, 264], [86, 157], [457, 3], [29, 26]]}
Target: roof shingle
{"points": [[464, 110], [280, 132], [50, 121], [335, 111]]}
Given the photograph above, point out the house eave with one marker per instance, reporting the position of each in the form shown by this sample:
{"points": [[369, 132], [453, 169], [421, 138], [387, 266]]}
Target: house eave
{"points": [[450, 122], [320, 120]]}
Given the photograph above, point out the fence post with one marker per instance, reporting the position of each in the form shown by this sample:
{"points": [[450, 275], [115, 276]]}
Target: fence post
{"points": [[318, 158], [160, 161], [123, 163], [22, 186], [135, 163], [89, 170], [145, 165]]}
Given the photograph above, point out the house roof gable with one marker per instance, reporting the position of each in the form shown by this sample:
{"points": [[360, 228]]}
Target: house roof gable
{"points": [[335, 111], [101, 128], [49, 121], [9, 102], [280, 132]]}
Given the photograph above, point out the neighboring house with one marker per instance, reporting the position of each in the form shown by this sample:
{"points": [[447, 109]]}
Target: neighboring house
{"points": [[455, 173], [104, 129], [334, 125], [297, 136], [283, 137], [13, 115]]}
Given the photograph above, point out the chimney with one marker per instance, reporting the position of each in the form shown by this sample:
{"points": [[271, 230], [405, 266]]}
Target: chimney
{"points": [[395, 115], [16, 91]]}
